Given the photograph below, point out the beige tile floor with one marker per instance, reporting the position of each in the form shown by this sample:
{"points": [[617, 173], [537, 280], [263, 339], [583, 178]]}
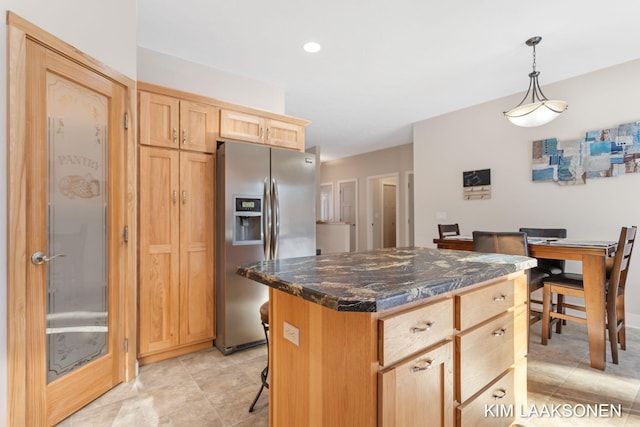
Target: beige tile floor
{"points": [[209, 389]]}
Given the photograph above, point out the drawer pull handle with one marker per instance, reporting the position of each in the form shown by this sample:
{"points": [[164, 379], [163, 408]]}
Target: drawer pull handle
{"points": [[500, 298], [499, 394], [422, 365], [499, 332], [426, 327]]}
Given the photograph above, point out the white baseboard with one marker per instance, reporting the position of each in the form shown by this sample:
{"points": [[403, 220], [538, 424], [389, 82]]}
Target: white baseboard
{"points": [[633, 320]]}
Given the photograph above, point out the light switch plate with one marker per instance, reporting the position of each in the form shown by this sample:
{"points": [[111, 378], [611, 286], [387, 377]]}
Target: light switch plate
{"points": [[291, 333]]}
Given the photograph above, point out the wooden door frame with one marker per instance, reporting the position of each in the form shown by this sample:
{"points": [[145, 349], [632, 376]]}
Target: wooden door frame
{"points": [[19, 407]]}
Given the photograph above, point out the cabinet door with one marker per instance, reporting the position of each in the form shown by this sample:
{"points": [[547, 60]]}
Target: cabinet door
{"points": [[196, 247], [241, 126], [287, 135], [418, 392], [158, 115], [159, 249], [198, 126]]}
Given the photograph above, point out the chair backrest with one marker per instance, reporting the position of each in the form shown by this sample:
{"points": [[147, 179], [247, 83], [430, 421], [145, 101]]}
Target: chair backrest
{"points": [[560, 233], [503, 242], [552, 265], [621, 261], [445, 230]]}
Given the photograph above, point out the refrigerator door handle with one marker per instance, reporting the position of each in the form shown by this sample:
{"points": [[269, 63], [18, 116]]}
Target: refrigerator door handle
{"points": [[276, 219], [266, 220]]}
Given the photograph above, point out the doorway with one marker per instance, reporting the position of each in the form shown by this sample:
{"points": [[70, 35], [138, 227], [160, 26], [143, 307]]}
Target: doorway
{"points": [[71, 258], [410, 237], [326, 202], [388, 215], [348, 209], [382, 211]]}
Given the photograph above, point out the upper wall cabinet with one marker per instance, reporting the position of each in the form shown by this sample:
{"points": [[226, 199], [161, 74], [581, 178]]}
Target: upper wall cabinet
{"points": [[176, 119], [166, 121], [247, 127]]}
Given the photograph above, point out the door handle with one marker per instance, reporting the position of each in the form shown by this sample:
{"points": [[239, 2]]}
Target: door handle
{"points": [[40, 258]]}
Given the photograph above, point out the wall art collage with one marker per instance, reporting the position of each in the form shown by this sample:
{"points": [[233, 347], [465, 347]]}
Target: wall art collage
{"points": [[601, 153]]}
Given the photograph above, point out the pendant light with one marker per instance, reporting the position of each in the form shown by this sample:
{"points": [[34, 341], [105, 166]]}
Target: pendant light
{"points": [[540, 110]]}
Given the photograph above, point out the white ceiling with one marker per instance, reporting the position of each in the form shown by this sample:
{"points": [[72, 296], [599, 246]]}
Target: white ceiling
{"points": [[386, 64]]}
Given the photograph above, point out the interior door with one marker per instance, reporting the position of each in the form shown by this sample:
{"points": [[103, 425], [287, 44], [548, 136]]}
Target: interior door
{"points": [[389, 215], [348, 209], [75, 202]]}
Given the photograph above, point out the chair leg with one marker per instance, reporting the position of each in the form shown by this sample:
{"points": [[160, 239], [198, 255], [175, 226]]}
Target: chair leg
{"points": [[560, 309], [622, 338], [612, 329], [264, 375], [256, 399], [546, 309]]}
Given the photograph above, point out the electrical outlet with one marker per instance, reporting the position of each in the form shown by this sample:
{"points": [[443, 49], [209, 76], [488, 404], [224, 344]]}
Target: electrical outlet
{"points": [[441, 215], [291, 333]]}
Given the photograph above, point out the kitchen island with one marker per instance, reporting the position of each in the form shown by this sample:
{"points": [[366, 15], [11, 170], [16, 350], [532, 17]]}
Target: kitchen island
{"points": [[407, 336]]}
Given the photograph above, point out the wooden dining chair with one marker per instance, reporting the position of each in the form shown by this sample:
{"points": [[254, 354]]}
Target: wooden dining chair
{"points": [[571, 284], [550, 266], [445, 230], [511, 243], [545, 266]]}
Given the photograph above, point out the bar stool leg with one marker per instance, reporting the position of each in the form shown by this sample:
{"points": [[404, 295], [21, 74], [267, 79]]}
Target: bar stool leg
{"points": [[265, 372]]}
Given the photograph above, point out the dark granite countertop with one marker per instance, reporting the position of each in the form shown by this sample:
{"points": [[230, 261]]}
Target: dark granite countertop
{"points": [[378, 280]]}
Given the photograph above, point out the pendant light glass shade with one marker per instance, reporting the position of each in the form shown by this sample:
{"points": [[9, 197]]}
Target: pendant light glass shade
{"points": [[540, 110]]}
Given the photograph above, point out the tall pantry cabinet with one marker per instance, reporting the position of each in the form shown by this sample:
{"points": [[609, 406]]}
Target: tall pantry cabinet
{"points": [[176, 226]]}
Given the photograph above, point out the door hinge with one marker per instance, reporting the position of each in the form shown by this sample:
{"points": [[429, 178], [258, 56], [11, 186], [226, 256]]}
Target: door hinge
{"points": [[126, 234], [126, 345], [126, 120]]}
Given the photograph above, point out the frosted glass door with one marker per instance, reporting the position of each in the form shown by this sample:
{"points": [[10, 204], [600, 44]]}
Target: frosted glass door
{"points": [[77, 203]]}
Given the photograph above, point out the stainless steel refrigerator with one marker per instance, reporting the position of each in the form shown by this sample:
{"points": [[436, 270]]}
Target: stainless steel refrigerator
{"points": [[265, 210]]}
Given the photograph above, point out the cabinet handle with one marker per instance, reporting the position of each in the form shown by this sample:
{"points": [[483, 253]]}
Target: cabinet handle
{"points": [[422, 365], [261, 133], [499, 394], [426, 327], [499, 332], [184, 136], [500, 298], [175, 135], [175, 197], [184, 197], [268, 133]]}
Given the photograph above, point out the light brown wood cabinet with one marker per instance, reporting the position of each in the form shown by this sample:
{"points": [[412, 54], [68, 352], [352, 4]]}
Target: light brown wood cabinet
{"points": [[433, 362], [167, 121], [176, 218], [248, 127]]}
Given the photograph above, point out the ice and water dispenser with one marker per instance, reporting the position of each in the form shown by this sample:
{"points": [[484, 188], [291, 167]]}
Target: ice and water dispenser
{"points": [[247, 224]]}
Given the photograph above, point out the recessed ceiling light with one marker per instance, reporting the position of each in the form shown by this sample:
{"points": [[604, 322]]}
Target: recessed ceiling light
{"points": [[312, 47]]}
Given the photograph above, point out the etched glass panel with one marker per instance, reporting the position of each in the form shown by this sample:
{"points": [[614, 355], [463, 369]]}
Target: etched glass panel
{"points": [[77, 287]]}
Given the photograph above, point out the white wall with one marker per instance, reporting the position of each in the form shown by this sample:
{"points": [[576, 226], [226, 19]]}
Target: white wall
{"points": [[391, 160], [164, 70], [480, 137], [103, 30]]}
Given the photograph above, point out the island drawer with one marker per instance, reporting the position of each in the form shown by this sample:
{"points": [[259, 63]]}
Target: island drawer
{"points": [[484, 353], [493, 406], [407, 332], [483, 303]]}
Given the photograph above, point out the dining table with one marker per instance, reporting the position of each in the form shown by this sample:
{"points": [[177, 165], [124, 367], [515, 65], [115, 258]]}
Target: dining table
{"points": [[593, 256]]}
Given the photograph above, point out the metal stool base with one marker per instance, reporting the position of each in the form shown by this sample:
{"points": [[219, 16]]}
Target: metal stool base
{"points": [[265, 372]]}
